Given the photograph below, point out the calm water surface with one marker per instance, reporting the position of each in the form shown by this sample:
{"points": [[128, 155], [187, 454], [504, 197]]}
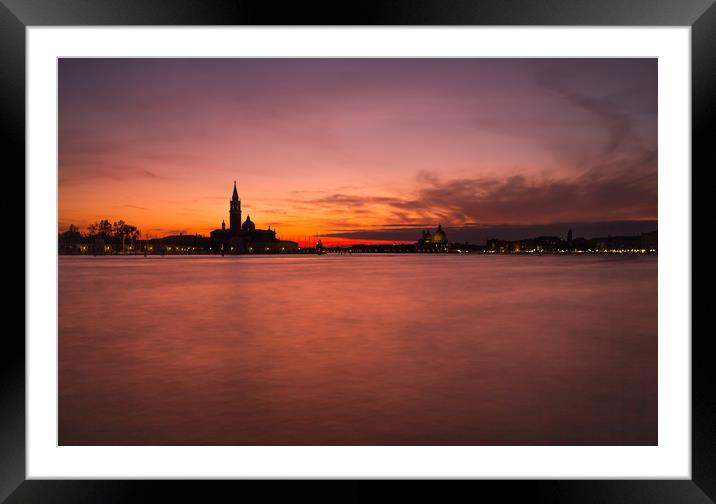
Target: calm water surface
{"points": [[358, 350]]}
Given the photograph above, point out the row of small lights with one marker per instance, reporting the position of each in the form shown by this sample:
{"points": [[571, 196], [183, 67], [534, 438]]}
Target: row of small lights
{"points": [[588, 251], [107, 248]]}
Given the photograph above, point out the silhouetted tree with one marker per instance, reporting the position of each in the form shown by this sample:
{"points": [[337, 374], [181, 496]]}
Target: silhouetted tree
{"points": [[105, 228], [133, 233], [120, 231], [102, 229]]}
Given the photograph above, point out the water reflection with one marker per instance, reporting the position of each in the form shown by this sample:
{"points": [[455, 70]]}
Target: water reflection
{"points": [[378, 350]]}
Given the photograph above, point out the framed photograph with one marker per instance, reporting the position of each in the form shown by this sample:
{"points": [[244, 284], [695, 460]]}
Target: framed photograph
{"points": [[423, 242]]}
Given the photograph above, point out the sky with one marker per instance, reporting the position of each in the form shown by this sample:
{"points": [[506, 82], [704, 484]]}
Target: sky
{"points": [[359, 150]]}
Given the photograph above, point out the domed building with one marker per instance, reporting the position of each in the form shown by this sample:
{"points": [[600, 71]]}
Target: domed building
{"points": [[439, 237], [436, 241], [248, 226], [245, 238]]}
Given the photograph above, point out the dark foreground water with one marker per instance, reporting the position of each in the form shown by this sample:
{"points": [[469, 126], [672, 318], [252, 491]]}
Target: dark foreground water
{"points": [[358, 350]]}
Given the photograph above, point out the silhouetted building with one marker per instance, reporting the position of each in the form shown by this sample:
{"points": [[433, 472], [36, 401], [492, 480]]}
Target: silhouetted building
{"points": [[543, 243], [71, 242], [495, 245], [440, 237], [617, 243], [246, 238], [234, 213], [650, 241], [436, 241]]}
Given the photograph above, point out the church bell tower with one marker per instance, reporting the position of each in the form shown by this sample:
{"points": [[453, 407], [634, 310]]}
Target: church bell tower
{"points": [[235, 212]]}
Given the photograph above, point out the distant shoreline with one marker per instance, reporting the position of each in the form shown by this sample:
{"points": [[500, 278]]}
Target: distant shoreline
{"points": [[452, 253]]}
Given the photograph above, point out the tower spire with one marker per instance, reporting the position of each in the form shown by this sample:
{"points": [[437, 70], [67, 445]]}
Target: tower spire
{"points": [[235, 212]]}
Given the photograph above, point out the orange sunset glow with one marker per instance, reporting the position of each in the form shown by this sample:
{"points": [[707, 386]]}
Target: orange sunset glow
{"points": [[358, 252], [356, 150]]}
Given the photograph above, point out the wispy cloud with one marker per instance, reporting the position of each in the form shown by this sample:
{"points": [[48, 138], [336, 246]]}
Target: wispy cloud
{"points": [[628, 193]]}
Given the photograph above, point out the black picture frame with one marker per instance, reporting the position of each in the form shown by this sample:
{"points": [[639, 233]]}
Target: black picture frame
{"points": [[16, 15]]}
